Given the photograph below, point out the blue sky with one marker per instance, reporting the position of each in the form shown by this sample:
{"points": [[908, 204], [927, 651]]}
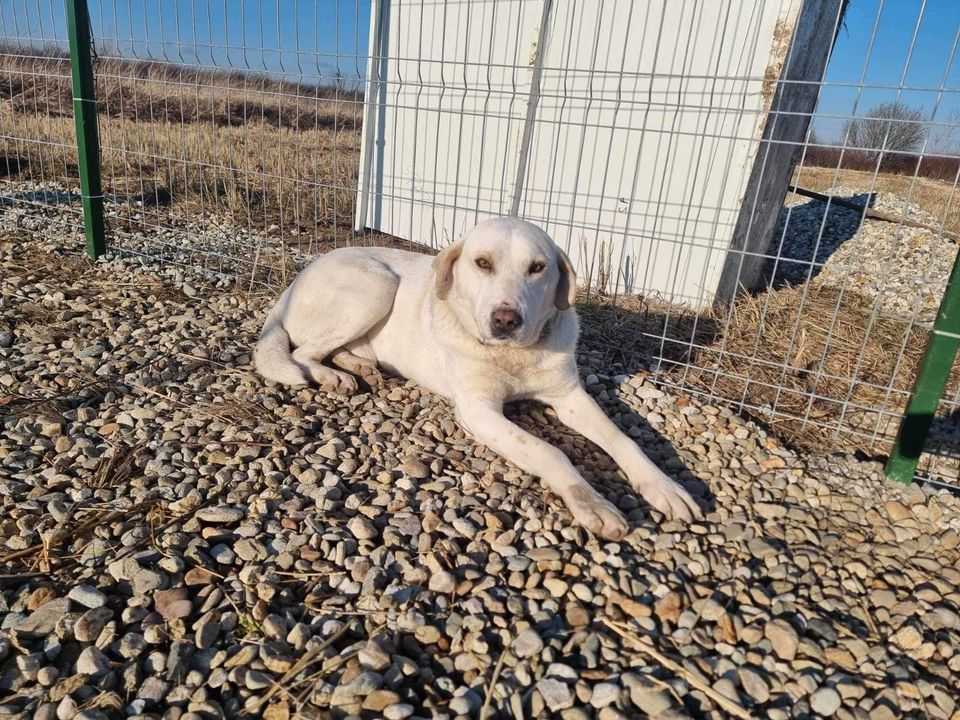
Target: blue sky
{"points": [[312, 38], [930, 28], [317, 39]]}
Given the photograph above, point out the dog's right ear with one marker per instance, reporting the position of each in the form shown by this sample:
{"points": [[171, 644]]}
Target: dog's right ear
{"points": [[567, 284], [443, 268]]}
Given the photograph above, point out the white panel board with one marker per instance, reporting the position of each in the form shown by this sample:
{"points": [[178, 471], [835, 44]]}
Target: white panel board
{"points": [[647, 117], [451, 111]]}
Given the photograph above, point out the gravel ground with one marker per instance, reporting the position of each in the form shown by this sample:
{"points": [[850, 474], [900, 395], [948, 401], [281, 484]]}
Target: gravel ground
{"points": [[179, 539], [904, 269]]}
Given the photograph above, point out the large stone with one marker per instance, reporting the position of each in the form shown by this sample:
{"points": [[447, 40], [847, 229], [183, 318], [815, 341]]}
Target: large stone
{"points": [[172, 604], [442, 582], [667, 608], [88, 596], [825, 701], [92, 662], [527, 644], [362, 528], [373, 657], [415, 468], [650, 698], [223, 514], [783, 639], [89, 626], [42, 621], [556, 693]]}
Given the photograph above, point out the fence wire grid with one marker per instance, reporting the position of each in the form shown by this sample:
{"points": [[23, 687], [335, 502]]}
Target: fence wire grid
{"points": [[676, 150]]}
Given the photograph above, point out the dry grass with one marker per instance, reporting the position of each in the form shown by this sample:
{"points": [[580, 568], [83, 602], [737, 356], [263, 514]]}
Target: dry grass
{"points": [[787, 349], [846, 371], [162, 92], [630, 326], [255, 151], [939, 198]]}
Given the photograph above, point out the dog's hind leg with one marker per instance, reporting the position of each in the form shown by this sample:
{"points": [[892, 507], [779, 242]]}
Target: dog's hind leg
{"points": [[333, 309], [362, 367], [311, 359]]}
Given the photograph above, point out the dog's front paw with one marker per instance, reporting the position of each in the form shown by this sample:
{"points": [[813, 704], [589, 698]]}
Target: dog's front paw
{"points": [[669, 498], [591, 511]]}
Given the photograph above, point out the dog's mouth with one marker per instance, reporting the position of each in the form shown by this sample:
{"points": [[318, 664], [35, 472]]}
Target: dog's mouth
{"points": [[517, 339], [498, 341], [507, 341]]}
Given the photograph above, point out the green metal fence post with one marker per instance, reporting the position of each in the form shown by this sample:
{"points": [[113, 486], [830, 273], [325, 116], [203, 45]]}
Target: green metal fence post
{"points": [[85, 115], [931, 380]]}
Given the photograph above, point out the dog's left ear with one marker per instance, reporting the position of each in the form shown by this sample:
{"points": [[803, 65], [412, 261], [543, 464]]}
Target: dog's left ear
{"points": [[567, 284], [443, 268]]}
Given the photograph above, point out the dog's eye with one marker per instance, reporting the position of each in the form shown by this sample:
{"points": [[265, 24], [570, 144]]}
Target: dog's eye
{"points": [[536, 267], [482, 263]]}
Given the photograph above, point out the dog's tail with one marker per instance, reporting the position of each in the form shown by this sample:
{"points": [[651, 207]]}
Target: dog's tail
{"points": [[272, 357]]}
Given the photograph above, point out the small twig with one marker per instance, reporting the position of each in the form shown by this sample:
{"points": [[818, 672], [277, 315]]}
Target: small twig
{"points": [[734, 708], [302, 575], [311, 679], [869, 621], [245, 443], [20, 578], [130, 549], [298, 667], [82, 528], [493, 683], [55, 535], [666, 686], [209, 361], [196, 408]]}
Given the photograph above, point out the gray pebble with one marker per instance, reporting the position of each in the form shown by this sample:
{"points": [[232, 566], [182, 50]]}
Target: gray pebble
{"points": [[88, 596], [362, 528], [92, 662], [44, 619], [556, 693], [398, 711], [442, 582], [605, 693], [221, 514], [825, 701], [527, 644]]}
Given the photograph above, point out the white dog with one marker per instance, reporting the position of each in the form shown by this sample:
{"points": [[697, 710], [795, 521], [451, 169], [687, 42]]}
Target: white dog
{"points": [[489, 320]]}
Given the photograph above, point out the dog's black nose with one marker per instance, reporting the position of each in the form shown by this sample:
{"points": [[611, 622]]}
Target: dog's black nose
{"points": [[504, 321]]}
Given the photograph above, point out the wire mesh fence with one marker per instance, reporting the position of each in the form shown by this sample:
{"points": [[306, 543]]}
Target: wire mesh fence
{"points": [[750, 223]]}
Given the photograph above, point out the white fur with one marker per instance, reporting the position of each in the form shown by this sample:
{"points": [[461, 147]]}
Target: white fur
{"points": [[429, 320]]}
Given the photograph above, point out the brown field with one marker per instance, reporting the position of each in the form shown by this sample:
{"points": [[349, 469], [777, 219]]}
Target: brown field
{"points": [[248, 149], [939, 198], [282, 159], [929, 165]]}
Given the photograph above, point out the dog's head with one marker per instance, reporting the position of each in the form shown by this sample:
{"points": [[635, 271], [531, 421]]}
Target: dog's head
{"points": [[505, 279]]}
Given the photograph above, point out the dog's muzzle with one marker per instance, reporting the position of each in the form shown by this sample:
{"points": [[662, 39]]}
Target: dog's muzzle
{"points": [[504, 322]]}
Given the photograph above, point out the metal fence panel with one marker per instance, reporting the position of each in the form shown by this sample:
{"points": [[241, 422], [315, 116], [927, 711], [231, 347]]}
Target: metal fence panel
{"points": [[233, 146]]}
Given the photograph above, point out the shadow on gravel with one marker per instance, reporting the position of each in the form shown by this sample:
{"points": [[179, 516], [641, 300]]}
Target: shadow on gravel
{"points": [[41, 197], [11, 165], [661, 451], [606, 475], [807, 234]]}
